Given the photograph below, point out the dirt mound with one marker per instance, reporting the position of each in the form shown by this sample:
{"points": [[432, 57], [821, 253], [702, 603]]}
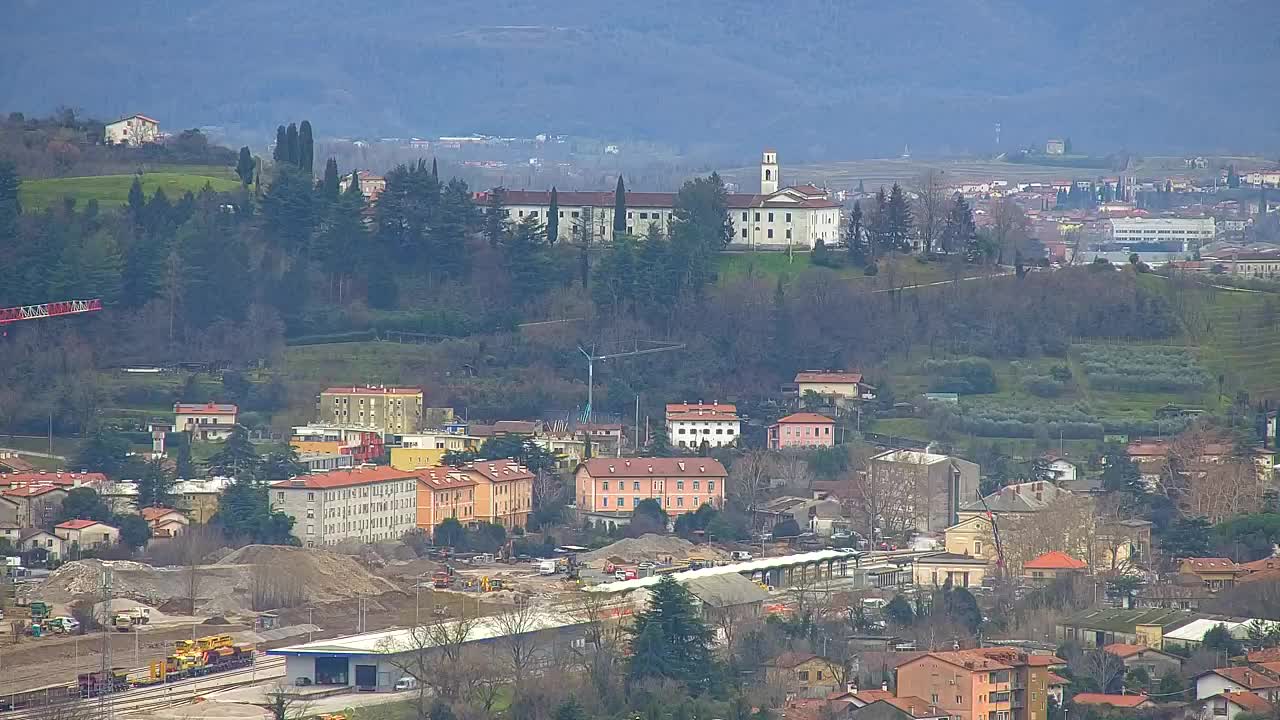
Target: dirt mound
{"points": [[325, 575], [256, 577], [650, 547]]}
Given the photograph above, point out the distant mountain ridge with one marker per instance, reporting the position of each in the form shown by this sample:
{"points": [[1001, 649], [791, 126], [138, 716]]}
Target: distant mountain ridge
{"points": [[817, 78]]}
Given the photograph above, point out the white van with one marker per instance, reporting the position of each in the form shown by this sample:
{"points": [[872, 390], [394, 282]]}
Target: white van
{"points": [[740, 555], [547, 567], [408, 682]]}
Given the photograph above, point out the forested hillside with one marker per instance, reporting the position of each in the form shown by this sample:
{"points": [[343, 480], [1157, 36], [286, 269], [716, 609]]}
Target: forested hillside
{"points": [[816, 78]]}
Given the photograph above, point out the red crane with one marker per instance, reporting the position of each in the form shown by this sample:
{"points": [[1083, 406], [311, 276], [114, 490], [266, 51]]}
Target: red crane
{"points": [[48, 310]]}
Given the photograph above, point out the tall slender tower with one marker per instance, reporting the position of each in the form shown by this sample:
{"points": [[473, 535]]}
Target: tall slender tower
{"points": [[769, 179]]}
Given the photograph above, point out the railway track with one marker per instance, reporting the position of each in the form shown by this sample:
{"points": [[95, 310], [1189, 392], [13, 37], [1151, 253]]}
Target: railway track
{"points": [[144, 699]]}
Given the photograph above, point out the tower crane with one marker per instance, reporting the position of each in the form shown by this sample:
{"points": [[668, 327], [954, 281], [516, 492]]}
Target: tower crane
{"points": [[48, 310]]}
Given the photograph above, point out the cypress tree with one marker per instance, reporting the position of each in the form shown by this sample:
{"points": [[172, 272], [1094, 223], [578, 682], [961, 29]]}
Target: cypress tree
{"points": [[137, 201], [291, 149], [435, 171], [855, 236], [244, 167], [899, 219], [329, 186], [495, 217], [306, 148], [553, 216], [281, 151], [619, 208]]}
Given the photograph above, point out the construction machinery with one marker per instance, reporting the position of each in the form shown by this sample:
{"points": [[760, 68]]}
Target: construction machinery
{"points": [[441, 579], [93, 684], [201, 656], [48, 310], [127, 620]]}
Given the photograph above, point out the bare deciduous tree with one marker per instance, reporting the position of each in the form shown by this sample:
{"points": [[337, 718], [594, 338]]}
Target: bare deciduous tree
{"points": [[604, 638], [749, 477], [1008, 227], [284, 705], [887, 503], [1068, 524], [930, 211], [794, 472], [1098, 665], [517, 625]]}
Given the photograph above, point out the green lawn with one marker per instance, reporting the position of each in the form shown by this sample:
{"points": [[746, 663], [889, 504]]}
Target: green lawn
{"points": [[113, 190], [61, 445], [361, 362], [906, 270]]}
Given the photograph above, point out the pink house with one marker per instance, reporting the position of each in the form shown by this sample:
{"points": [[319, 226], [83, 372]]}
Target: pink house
{"points": [[802, 430]]}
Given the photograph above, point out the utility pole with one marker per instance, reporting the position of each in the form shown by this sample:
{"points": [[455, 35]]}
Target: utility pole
{"points": [[104, 687]]}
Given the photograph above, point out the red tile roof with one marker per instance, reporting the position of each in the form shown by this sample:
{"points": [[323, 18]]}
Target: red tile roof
{"points": [[653, 466], [870, 696], [151, 514], [966, 659], [820, 376], [1055, 680], [806, 417], [1265, 655], [915, 706], [702, 411], [23, 491], [440, 478], [498, 470], [1211, 564], [1018, 658], [1122, 701], [1055, 560], [50, 478], [791, 659], [1249, 701], [78, 524], [345, 478], [357, 390], [204, 409], [1267, 563], [1247, 678], [1122, 650]]}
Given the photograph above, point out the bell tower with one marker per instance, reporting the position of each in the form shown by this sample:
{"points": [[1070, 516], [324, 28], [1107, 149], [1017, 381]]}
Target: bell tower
{"points": [[769, 179]]}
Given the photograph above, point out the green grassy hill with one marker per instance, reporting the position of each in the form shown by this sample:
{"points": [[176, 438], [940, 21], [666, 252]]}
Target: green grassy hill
{"points": [[113, 190]]}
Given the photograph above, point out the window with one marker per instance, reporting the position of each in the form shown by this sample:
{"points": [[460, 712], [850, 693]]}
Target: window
{"points": [[604, 502], [311, 496], [280, 496], [630, 230], [770, 217], [604, 484], [711, 485], [788, 233], [622, 502], [643, 215], [635, 501], [771, 232], [977, 547], [819, 674], [679, 502], [757, 217], [636, 486], [788, 217], [744, 216], [744, 230], [804, 676], [573, 213], [696, 483]]}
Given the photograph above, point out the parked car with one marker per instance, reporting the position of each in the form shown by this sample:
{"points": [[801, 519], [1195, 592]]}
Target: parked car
{"points": [[408, 682]]}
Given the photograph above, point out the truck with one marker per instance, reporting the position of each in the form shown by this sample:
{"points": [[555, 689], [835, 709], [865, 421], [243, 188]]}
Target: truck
{"points": [[441, 579], [39, 610], [547, 567], [127, 620], [93, 684]]}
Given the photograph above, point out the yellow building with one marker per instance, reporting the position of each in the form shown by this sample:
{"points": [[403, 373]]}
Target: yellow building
{"points": [[406, 458], [971, 536], [962, 570], [332, 447], [386, 409]]}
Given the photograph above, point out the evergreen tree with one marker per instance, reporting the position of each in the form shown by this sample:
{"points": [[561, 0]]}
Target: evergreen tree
{"points": [[342, 237], [280, 153], [292, 151], [898, 220], [10, 205], [100, 268], [137, 201], [104, 451], [288, 210], [245, 514], [449, 233], [528, 262], [435, 171], [878, 225], [329, 185], [155, 485], [619, 209], [306, 148], [495, 217], [406, 212], [856, 237], [1233, 180], [959, 232], [244, 166], [236, 458], [614, 282], [820, 255], [553, 218], [668, 639]]}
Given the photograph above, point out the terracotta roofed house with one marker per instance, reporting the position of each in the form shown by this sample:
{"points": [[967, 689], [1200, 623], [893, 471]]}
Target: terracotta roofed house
{"points": [[1155, 662], [836, 385], [504, 491], [691, 424], [1052, 564], [1128, 702], [802, 430], [1238, 679], [205, 421], [442, 494], [86, 533], [1230, 704], [615, 486], [165, 522], [1216, 572]]}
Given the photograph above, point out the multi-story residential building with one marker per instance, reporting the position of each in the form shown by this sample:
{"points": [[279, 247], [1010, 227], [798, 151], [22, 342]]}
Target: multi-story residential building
{"points": [[691, 424], [325, 461], [442, 494], [366, 504], [426, 449], [504, 491], [931, 487], [802, 430], [133, 130], [615, 486], [776, 218], [386, 409], [199, 498], [205, 421], [996, 683], [1187, 233], [32, 505]]}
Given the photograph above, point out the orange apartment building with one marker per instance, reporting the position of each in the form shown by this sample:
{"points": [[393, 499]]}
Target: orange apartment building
{"points": [[503, 491], [997, 683], [442, 494], [615, 486]]}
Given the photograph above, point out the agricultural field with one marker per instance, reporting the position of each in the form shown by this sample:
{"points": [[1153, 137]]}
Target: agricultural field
{"points": [[906, 270], [113, 190]]}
